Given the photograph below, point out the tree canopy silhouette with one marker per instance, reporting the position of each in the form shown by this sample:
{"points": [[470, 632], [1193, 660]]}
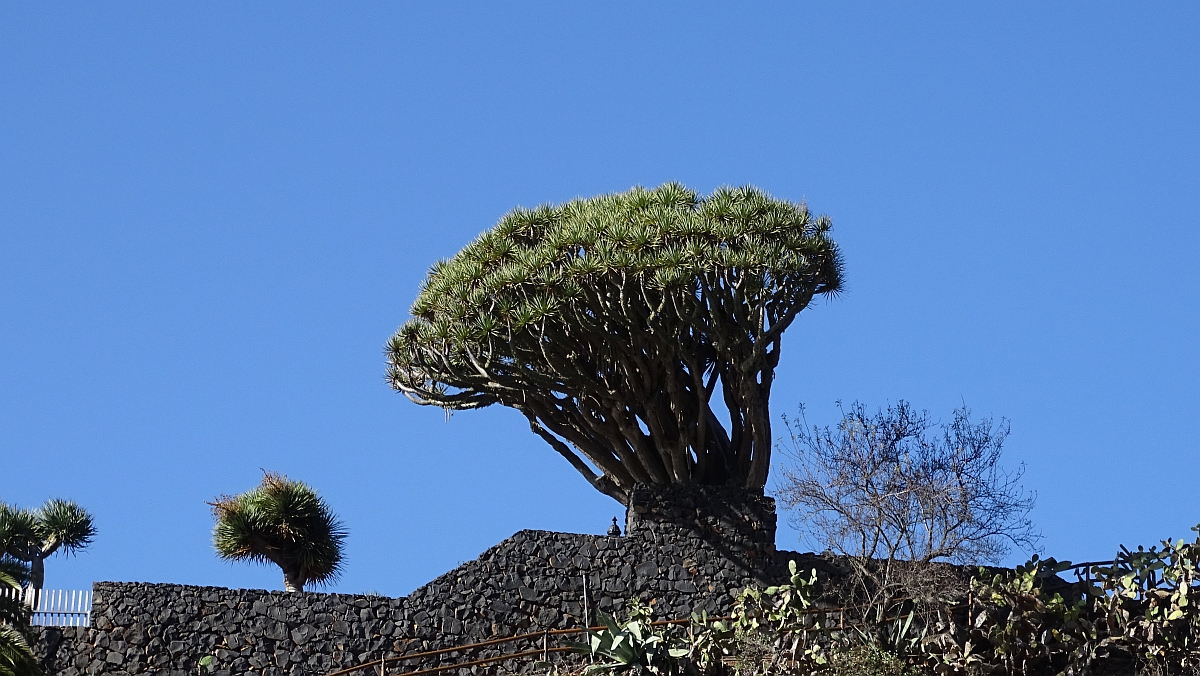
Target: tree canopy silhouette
{"points": [[34, 535], [283, 522], [612, 322]]}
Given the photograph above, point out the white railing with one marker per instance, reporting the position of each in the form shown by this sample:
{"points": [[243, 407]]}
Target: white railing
{"points": [[57, 607]]}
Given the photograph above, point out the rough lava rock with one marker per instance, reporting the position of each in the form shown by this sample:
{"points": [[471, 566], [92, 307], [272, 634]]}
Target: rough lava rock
{"points": [[686, 549]]}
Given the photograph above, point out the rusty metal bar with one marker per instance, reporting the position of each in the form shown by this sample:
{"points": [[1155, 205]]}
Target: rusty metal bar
{"points": [[495, 641], [485, 660], [382, 663]]}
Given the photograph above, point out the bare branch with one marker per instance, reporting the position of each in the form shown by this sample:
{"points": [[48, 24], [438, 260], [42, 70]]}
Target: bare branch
{"points": [[894, 486]]}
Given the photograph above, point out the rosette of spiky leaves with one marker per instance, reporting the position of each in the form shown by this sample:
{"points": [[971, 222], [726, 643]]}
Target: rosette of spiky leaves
{"points": [[283, 522], [34, 535], [610, 322]]}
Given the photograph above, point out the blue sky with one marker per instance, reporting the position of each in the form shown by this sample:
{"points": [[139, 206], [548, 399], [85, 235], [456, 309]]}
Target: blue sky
{"points": [[212, 216]]}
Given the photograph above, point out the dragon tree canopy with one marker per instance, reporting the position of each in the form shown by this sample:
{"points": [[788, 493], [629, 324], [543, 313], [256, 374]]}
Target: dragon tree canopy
{"points": [[611, 323]]}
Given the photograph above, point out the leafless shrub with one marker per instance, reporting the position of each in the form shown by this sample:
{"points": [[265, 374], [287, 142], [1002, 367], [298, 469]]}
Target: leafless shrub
{"points": [[895, 493]]}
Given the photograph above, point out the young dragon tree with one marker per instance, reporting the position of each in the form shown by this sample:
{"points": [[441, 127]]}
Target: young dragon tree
{"points": [[34, 535], [283, 522], [619, 324]]}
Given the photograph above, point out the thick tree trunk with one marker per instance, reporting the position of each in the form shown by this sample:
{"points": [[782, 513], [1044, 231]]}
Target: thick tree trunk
{"points": [[37, 572], [37, 577], [292, 582]]}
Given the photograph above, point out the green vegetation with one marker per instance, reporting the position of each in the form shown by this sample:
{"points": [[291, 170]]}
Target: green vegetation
{"points": [[16, 658], [34, 535], [1140, 608], [870, 660], [897, 500], [633, 645], [611, 322], [283, 522], [1135, 614]]}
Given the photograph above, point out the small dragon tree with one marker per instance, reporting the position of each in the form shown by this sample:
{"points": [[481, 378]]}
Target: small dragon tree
{"points": [[283, 522], [34, 535], [611, 322]]}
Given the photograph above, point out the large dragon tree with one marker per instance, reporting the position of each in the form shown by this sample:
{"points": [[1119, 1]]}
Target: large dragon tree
{"points": [[612, 322]]}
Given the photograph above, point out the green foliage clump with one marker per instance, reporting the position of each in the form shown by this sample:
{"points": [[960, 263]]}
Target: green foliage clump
{"points": [[1139, 609], [869, 660], [1014, 623], [283, 522], [779, 630], [34, 535], [610, 322], [27, 538], [1137, 614], [775, 629], [633, 645], [16, 657]]}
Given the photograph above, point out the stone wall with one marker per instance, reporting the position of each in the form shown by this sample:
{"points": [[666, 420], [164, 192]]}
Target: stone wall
{"points": [[163, 628], [736, 526], [685, 550]]}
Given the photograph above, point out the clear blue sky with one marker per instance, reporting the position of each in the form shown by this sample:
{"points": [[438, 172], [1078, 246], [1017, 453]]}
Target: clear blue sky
{"points": [[212, 216]]}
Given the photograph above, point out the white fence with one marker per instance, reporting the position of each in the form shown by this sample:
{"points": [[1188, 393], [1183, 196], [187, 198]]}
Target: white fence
{"points": [[57, 607]]}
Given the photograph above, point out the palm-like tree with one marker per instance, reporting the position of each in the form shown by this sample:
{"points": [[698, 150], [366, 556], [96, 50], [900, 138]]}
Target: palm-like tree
{"points": [[283, 522], [34, 535], [16, 657]]}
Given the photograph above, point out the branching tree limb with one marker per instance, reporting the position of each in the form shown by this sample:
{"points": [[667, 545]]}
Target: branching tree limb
{"points": [[893, 492]]}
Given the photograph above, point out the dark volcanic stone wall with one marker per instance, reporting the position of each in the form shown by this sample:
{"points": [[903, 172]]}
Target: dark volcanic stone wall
{"points": [[162, 628], [734, 525], [685, 551]]}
